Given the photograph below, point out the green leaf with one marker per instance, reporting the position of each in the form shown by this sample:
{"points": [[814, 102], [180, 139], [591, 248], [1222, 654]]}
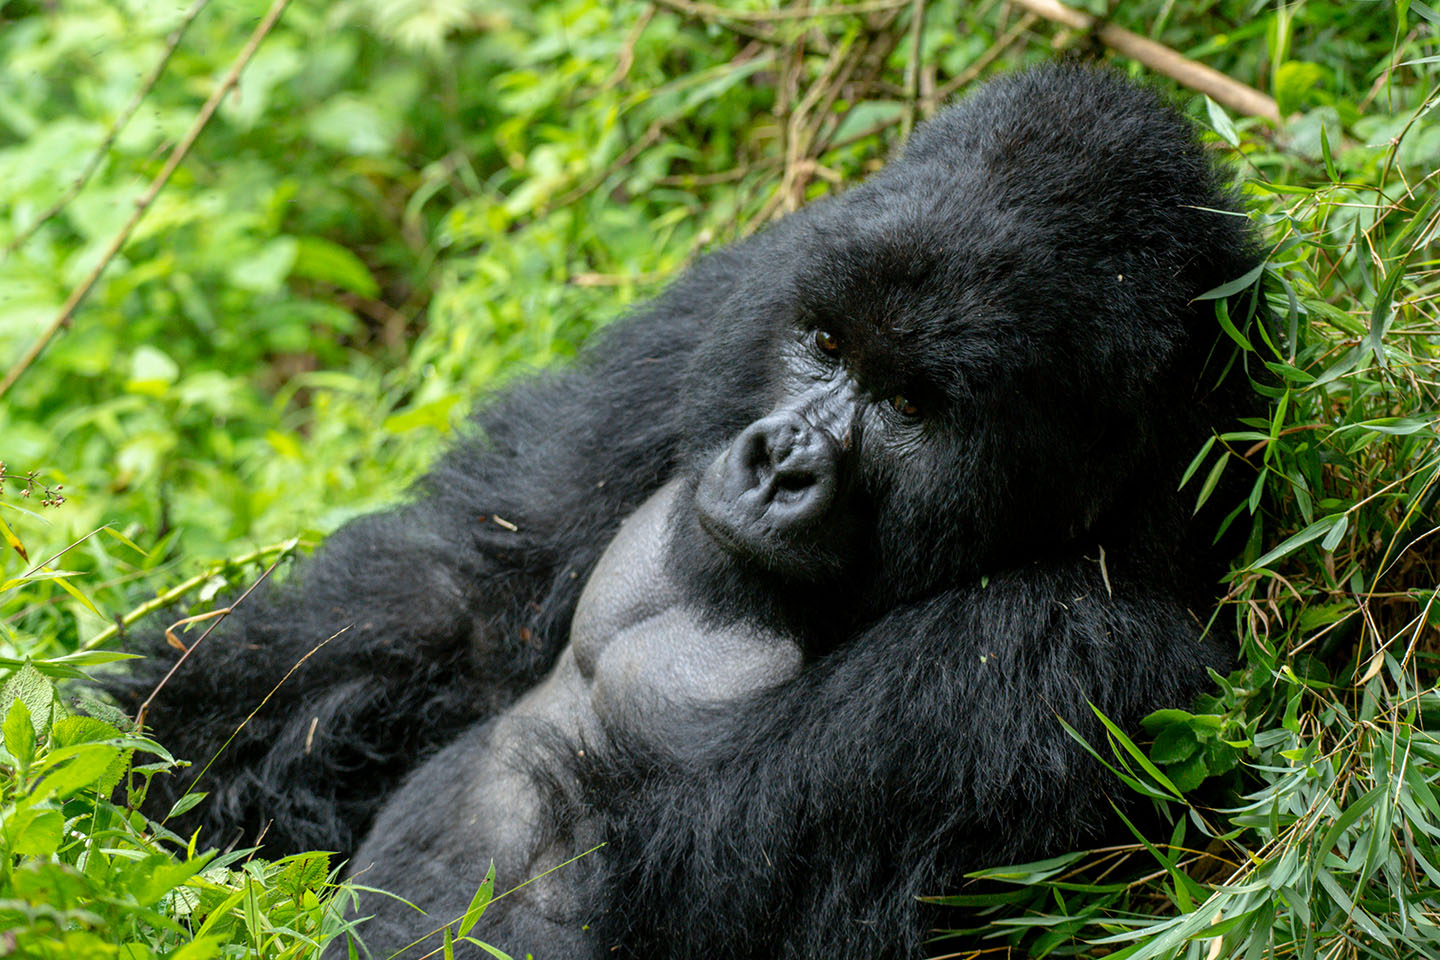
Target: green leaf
{"points": [[1325, 156], [1129, 747], [434, 415], [319, 259], [265, 270], [495, 952], [72, 769], [1233, 286], [1188, 773], [1336, 533], [479, 902], [185, 803], [351, 125], [1295, 84], [20, 733], [1175, 743], [1222, 314], [1317, 529], [1383, 311], [1195, 463], [38, 694], [9, 537], [37, 832], [1220, 123], [1211, 481]]}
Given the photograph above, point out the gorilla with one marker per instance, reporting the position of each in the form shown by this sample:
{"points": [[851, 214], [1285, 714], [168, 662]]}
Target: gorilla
{"points": [[771, 604]]}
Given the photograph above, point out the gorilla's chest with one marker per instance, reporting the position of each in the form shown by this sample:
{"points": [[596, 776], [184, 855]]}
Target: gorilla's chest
{"points": [[643, 654]]}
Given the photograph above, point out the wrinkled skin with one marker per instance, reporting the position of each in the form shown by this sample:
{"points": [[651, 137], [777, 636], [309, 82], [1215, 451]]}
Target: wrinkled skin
{"points": [[799, 567]]}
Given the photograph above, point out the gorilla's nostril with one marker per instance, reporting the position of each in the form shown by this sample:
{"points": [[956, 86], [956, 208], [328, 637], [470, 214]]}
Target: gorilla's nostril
{"points": [[793, 482], [754, 452]]}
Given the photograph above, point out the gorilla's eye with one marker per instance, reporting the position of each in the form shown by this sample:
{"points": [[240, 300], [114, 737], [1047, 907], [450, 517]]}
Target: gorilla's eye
{"points": [[827, 342], [904, 407]]}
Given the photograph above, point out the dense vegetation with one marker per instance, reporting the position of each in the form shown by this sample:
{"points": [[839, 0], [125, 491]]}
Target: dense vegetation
{"points": [[400, 204]]}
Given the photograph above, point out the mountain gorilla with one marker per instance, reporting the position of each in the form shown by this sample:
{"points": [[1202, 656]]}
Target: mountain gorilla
{"points": [[780, 593]]}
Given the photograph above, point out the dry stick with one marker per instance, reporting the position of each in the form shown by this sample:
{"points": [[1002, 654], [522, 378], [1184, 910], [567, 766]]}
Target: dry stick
{"points": [[67, 311], [1160, 58], [180, 589], [140, 714], [710, 12], [877, 46], [121, 120], [249, 716], [711, 15], [912, 68], [627, 51]]}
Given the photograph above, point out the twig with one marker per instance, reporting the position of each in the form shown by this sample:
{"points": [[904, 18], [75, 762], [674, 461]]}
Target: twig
{"points": [[1224, 90], [121, 120], [179, 590], [627, 50], [711, 12], [140, 714], [712, 15], [912, 68], [67, 311], [647, 139], [140, 718], [994, 52], [876, 48]]}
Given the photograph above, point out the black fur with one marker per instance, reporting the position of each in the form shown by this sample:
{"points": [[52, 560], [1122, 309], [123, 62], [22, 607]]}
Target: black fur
{"points": [[1036, 249]]}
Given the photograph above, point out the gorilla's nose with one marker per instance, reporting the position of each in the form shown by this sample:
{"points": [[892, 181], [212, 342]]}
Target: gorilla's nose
{"points": [[787, 461], [780, 474]]}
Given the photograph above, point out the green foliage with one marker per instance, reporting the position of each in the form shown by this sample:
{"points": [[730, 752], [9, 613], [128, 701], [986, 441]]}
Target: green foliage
{"points": [[405, 203], [84, 877]]}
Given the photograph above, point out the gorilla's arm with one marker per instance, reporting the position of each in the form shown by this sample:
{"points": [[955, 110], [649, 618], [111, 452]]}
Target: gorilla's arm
{"points": [[808, 825], [449, 604]]}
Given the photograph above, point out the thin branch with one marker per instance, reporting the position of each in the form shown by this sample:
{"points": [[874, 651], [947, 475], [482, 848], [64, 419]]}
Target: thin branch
{"points": [[1224, 90], [140, 718], [144, 707], [713, 15], [121, 120], [994, 52], [78, 295], [179, 590], [912, 68], [711, 12]]}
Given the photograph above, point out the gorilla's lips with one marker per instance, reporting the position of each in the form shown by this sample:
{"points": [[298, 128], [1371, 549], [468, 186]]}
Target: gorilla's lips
{"points": [[769, 497]]}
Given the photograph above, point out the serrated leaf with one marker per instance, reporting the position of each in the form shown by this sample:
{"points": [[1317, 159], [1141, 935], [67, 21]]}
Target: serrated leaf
{"points": [[80, 767], [28, 685], [38, 834]]}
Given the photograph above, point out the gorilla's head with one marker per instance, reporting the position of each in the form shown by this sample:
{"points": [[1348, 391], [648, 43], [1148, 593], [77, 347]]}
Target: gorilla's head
{"points": [[988, 354]]}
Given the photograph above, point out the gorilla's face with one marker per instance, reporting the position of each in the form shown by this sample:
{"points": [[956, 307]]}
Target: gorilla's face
{"points": [[989, 351], [918, 416]]}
